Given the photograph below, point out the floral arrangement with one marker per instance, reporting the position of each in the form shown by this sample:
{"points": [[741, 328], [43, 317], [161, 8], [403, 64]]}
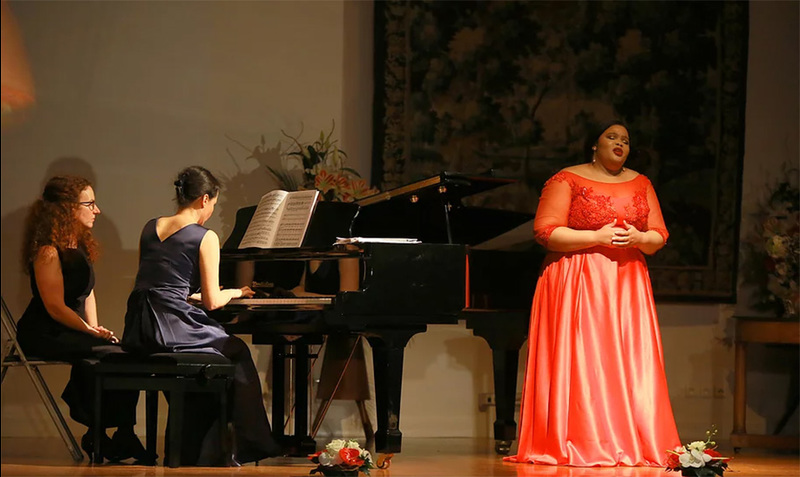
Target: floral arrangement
{"points": [[318, 165], [698, 458], [342, 457], [774, 249]]}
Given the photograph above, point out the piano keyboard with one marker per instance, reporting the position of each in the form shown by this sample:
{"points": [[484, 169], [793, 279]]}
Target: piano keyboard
{"points": [[304, 300]]}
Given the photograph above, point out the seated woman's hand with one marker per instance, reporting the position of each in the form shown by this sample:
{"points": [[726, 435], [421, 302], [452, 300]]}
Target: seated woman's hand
{"points": [[105, 333]]}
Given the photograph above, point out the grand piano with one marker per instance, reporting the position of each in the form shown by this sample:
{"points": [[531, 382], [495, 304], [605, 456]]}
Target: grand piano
{"points": [[402, 288]]}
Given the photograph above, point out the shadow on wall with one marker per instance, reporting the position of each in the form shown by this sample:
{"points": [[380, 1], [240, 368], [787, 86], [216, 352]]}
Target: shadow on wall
{"points": [[115, 268], [244, 189]]}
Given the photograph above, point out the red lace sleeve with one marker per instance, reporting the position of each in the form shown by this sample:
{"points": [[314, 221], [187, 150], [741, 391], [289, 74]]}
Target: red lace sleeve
{"points": [[553, 209], [655, 221]]}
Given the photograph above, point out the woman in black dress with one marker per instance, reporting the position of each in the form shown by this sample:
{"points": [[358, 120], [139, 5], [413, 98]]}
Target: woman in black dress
{"points": [[61, 322], [177, 255]]}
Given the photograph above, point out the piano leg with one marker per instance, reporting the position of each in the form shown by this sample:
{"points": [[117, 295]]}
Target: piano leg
{"points": [[388, 347], [306, 444], [278, 391], [300, 443], [505, 331]]}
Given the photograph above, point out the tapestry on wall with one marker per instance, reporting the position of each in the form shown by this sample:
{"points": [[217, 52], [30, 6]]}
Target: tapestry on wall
{"points": [[515, 86]]}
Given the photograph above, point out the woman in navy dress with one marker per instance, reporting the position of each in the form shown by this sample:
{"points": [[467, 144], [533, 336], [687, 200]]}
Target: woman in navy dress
{"points": [[177, 255], [61, 322]]}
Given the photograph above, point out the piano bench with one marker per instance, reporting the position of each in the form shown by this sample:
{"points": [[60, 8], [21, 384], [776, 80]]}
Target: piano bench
{"points": [[174, 374]]}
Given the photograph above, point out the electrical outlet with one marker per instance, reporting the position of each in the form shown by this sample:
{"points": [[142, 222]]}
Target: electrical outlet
{"points": [[719, 392], [691, 392], [485, 400], [705, 393]]}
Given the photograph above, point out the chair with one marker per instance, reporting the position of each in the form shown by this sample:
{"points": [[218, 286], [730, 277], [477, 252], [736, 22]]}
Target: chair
{"points": [[14, 356], [174, 374]]}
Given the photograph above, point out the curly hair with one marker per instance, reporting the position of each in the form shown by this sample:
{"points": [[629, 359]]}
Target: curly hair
{"points": [[51, 220]]}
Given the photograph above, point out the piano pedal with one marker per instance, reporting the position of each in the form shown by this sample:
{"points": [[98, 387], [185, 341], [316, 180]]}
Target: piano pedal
{"points": [[384, 461], [502, 447]]}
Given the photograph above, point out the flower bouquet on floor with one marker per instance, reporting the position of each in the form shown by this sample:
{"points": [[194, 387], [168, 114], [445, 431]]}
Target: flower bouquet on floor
{"points": [[342, 457], [698, 458]]}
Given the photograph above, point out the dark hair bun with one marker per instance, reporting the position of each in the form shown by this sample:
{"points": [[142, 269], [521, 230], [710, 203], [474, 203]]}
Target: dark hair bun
{"points": [[194, 182]]}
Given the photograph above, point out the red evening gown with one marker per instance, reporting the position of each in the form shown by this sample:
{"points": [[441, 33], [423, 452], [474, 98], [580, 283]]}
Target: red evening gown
{"points": [[595, 392]]}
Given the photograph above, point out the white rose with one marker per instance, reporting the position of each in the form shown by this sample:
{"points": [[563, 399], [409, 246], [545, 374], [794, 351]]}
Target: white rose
{"points": [[335, 446], [325, 459]]}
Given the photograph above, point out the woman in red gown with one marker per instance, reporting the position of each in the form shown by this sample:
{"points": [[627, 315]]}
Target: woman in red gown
{"points": [[595, 392]]}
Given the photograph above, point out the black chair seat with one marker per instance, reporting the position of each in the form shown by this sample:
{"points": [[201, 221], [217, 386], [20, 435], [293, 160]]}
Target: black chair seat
{"points": [[202, 365], [166, 372]]}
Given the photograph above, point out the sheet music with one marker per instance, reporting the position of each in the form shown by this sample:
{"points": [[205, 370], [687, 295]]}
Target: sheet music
{"points": [[280, 219], [349, 240], [261, 230], [297, 209]]}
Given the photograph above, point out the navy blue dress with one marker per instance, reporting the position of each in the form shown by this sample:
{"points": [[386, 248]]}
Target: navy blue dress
{"points": [[159, 319], [41, 336]]}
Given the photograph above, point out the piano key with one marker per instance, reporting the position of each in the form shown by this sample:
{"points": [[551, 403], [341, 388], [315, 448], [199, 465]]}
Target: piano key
{"points": [[306, 300]]}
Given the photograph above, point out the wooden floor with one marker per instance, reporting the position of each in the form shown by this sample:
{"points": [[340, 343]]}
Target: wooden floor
{"points": [[451, 457]]}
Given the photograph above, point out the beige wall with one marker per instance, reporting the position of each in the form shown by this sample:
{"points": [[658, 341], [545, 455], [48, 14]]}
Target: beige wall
{"points": [[128, 93]]}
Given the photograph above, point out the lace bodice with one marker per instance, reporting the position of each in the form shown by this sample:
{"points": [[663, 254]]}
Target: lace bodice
{"points": [[569, 200]]}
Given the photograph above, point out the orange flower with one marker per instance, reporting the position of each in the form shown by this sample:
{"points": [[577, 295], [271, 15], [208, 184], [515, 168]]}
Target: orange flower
{"points": [[351, 457], [358, 188], [324, 181]]}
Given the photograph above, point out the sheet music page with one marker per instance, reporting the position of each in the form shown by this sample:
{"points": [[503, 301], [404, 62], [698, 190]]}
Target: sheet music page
{"points": [[349, 240], [295, 216], [264, 224]]}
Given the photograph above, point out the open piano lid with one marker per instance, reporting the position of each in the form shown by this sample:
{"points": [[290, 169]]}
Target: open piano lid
{"points": [[453, 185], [431, 210]]}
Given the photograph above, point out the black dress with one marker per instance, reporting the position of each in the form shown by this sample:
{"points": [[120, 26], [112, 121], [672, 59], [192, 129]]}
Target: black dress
{"points": [[41, 336], [159, 319]]}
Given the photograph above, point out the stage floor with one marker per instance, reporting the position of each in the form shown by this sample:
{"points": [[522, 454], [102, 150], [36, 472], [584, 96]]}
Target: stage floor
{"points": [[446, 457]]}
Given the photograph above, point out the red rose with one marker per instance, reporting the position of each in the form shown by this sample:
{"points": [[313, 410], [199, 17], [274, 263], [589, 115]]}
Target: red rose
{"points": [[673, 461], [315, 457], [351, 457]]}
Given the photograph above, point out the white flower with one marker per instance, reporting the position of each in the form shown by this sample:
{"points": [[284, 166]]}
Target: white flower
{"points": [[326, 459], [335, 446], [697, 445], [694, 458]]}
